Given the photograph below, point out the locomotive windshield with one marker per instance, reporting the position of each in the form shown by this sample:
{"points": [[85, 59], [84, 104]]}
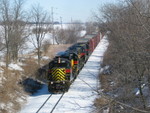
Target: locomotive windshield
{"points": [[61, 65]]}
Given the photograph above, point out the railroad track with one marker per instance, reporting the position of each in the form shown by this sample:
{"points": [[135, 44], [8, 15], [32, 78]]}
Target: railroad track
{"points": [[52, 101]]}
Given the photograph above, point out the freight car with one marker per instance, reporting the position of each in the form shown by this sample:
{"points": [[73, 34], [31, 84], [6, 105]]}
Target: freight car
{"points": [[80, 50], [64, 68]]}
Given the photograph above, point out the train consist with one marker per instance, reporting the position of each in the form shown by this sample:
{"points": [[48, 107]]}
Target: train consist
{"points": [[66, 65]]}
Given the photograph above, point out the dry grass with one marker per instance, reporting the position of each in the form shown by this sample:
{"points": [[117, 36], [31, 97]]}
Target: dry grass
{"points": [[30, 68], [105, 82], [10, 92], [101, 102], [54, 49]]}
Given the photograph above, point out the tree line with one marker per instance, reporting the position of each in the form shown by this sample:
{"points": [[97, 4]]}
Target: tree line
{"points": [[129, 49], [17, 25]]}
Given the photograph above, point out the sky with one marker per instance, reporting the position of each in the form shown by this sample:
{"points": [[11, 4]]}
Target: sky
{"points": [[68, 10]]}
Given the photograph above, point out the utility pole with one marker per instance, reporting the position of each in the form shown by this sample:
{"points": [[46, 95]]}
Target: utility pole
{"points": [[52, 13], [71, 20], [61, 22]]}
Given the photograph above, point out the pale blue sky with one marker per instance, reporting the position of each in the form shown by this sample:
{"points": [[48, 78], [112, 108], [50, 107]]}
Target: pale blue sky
{"points": [[67, 9]]}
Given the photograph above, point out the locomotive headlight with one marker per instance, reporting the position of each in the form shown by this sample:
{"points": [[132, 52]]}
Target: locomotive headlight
{"points": [[51, 82]]}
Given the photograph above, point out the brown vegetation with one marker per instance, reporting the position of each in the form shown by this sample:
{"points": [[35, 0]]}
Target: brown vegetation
{"points": [[30, 68], [128, 54], [11, 94], [54, 49]]}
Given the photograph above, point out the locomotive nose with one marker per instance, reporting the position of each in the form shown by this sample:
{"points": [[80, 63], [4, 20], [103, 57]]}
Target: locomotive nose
{"points": [[58, 74]]}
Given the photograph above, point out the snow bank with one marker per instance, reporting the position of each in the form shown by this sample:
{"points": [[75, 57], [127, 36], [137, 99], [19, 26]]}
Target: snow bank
{"points": [[83, 32], [45, 57], [15, 67], [63, 26], [42, 58], [2, 64], [2, 79], [1, 70]]}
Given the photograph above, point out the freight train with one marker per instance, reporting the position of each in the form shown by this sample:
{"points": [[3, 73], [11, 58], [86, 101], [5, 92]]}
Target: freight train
{"points": [[66, 65]]}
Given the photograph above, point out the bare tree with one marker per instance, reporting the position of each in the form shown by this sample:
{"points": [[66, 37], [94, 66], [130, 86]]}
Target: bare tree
{"points": [[129, 51], [18, 34], [11, 16], [5, 18], [40, 19], [90, 27], [69, 35], [60, 36]]}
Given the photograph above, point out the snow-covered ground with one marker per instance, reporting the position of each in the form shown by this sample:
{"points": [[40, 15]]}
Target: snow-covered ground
{"points": [[31, 40], [80, 97]]}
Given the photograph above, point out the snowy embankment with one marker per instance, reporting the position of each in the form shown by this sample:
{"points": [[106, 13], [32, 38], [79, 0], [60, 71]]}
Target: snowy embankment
{"points": [[80, 97]]}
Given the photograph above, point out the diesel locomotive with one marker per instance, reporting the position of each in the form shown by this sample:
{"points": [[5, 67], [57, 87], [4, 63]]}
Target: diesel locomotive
{"points": [[64, 68]]}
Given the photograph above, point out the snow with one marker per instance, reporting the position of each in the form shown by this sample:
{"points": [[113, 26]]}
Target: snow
{"points": [[83, 32], [145, 90], [83, 91], [15, 67], [2, 106], [29, 46], [2, 64], [63, 26], [1, 71], [12, 66], [43, 57], [2, 79], [1, 54]]}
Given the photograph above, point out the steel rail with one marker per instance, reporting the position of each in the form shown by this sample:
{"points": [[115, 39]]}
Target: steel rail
{"points": [[57, 103], [54, 104], [43, 104]]}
